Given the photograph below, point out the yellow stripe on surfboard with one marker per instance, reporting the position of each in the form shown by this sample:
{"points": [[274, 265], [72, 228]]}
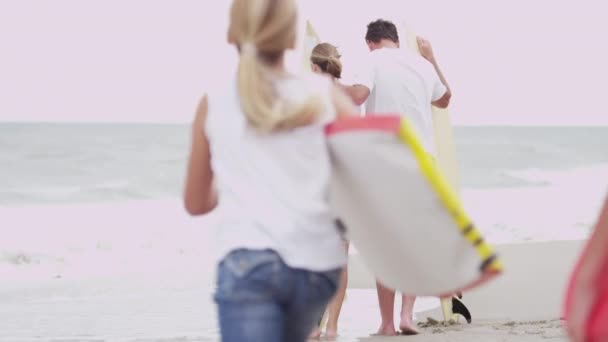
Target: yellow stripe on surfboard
{"points": [[448, 197]]}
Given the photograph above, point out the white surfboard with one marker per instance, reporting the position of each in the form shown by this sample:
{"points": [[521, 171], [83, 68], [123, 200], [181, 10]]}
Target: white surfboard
{"points": [[408, 224], [443, 130], [311, 39], [444, 145]]}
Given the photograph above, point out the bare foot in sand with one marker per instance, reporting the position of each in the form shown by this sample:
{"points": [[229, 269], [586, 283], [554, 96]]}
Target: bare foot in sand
{"points": [[386, 330], [315, 334], [331, 333], [407, 327]]}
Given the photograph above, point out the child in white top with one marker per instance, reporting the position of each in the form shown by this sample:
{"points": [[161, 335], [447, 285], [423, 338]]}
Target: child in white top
{"points": [[325, 59]]}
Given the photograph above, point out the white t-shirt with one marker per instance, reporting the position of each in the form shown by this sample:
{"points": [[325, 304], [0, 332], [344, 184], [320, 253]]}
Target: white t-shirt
{"points": [[401, 82], [273, 188]]}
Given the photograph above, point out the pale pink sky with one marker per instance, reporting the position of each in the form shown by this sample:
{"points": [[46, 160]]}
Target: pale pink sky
{"points": [[509, 62]]}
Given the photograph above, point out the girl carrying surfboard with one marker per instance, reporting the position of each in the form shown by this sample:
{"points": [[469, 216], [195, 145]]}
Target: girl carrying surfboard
{"points": [[259, 158], [325, 59]]}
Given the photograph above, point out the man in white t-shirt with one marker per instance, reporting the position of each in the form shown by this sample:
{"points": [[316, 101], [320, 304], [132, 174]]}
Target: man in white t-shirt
{"points": [[400, 81]]}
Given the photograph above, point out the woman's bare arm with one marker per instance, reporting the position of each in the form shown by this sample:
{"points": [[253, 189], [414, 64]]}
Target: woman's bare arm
{"points": [[342, 102], [200, 196]]}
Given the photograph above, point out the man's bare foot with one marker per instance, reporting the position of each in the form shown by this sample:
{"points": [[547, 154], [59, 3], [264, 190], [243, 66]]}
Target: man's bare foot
{"points": [[386, 330], [315, 334], [407, 327]]}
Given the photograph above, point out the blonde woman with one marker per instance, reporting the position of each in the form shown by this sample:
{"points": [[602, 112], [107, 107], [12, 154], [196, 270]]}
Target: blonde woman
{"points": [[325, 59], [259, 158]]}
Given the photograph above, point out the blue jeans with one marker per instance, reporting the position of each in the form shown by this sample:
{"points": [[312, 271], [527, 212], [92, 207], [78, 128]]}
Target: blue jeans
{"points": [[262, 299]]}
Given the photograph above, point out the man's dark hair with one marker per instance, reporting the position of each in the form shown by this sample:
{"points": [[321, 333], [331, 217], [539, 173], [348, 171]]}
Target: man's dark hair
{"points": [[381, 29]]}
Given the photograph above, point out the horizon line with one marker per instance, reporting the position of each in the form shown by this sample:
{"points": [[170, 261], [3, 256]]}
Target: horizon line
{"points": [[180, 123]]}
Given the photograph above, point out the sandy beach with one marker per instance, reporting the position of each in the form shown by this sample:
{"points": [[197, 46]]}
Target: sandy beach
{"points": [[522, 305], [544, 330], [175, 305], [144, 271]]}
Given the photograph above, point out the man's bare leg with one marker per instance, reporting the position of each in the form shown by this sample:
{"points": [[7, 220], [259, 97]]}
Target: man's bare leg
{"points": [[407, 326], [335, 306], [386, 299]]}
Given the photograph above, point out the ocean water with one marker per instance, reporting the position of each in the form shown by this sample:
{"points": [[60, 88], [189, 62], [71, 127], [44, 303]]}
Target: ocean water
{"points": [[77, 189], [76, 194], [74, 163], [71, 163]]}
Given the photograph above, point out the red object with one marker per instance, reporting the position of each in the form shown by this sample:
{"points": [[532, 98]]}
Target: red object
{"points": [[376, 122], [596, 329]]}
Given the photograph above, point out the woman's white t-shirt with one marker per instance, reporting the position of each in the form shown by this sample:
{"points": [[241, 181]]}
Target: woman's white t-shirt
{"points": [[273, 188]]}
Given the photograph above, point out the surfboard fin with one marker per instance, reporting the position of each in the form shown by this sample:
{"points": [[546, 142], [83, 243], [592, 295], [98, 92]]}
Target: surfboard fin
{"points": [[458, 308]]}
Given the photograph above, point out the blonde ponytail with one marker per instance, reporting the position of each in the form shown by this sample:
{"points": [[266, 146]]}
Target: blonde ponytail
{"points": [[262, 39]]}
